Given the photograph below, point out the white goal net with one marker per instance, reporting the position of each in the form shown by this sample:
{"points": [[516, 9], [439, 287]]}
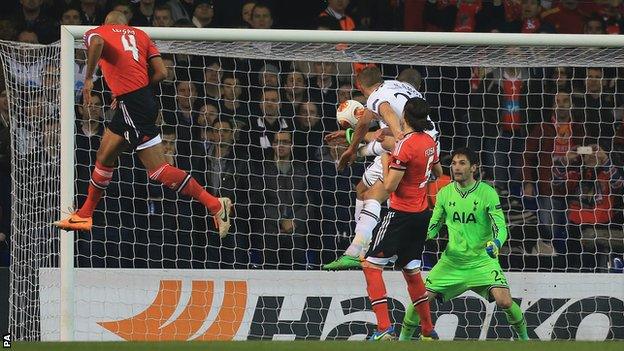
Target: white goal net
{"points": [[247, 120]]}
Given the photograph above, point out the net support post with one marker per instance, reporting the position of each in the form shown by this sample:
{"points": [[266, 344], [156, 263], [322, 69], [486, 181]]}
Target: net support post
{"points": [[67, 184]]}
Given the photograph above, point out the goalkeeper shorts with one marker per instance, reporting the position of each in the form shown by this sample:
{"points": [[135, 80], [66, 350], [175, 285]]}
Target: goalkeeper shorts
{"points": [[449, 280]]}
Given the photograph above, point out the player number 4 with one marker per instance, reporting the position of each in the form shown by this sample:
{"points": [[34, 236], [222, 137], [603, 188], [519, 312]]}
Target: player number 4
{"points": [[129, 44]]}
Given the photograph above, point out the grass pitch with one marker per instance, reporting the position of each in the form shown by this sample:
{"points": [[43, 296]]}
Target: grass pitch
{"points": [[321, 346]]}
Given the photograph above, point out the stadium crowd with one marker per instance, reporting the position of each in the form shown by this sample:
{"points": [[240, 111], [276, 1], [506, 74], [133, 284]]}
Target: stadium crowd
{"points": [[252, 130]]}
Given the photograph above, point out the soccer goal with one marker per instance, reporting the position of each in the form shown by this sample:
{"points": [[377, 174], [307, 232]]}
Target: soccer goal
{"points": [[245, 112]]}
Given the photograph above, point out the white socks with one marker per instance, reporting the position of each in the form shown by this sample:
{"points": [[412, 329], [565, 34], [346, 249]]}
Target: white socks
{"points": [[359, 204], [366, 223]]}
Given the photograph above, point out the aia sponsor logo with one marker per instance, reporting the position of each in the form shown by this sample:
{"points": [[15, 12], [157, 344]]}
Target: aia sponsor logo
{"points": [[154, 322]]}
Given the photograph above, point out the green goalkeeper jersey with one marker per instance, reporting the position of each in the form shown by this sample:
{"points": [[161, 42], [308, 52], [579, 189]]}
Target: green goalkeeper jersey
{"points": [[473, 216]]}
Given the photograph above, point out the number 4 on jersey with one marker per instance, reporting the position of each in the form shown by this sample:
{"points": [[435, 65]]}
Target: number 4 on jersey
{"points": [[129, 44]]}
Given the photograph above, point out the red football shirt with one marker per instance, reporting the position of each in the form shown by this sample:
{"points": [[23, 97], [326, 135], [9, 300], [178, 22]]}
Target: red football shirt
{"points": [[415, 155], [125, 56]]}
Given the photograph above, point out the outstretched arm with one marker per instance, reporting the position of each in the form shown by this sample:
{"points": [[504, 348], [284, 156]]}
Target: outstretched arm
{"points": [[361, 129]]}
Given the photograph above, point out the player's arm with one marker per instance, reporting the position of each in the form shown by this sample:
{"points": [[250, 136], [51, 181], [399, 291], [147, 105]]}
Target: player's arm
{"points": [[94, 52], [158, 68], [361, 128], [497, 220], [438, 217], [391, 119], [393, 173]]}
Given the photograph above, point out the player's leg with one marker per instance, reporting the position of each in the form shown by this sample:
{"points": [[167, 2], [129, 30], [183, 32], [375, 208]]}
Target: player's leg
{"points": [[514, 314], [376, 289], [382, 251], [443, 282], [351, 258], [412, 232], [489, 281], [153, 158], [512, 310], [111, 146]]}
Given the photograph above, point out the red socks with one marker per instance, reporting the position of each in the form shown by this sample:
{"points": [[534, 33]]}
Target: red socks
{"points": [[418, 295], [182, 182], [377, 295], [100, 178]]}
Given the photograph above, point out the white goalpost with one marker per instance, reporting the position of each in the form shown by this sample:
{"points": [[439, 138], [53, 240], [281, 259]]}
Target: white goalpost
{"points": [[268, 304]]}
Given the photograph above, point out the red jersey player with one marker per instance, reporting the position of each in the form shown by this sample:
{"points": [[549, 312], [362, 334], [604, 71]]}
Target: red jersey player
{"points": [[401, 236], [125, 55]]}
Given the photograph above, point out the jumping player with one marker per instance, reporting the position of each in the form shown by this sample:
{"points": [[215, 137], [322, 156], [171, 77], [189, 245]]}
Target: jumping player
{"points": [[385, 102], [476, 225], [126, 54], [402, 234]]}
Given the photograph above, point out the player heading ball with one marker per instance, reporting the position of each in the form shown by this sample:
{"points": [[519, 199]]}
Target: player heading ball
{"points": [[401, 236]]}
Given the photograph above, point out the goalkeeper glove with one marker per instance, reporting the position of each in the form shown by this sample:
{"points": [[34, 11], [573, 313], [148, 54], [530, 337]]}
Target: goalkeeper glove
{"points": [[492, 248]]}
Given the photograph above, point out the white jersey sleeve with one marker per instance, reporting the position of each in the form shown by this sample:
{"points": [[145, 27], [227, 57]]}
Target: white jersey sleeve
{"points": [[396, 94]]}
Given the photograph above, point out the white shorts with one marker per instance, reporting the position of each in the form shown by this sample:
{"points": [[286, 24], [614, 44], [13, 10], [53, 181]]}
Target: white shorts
{"points": [[373, 173]]}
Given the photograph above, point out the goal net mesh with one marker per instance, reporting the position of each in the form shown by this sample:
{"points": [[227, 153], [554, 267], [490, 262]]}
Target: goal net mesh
{"points": [[247, 120]]}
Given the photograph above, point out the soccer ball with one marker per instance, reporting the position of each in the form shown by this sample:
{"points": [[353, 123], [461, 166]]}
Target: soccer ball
{"points": [[348, 113]]}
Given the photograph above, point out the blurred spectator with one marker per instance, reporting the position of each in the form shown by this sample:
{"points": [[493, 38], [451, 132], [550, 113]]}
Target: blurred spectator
{"points": [[181, 9], [295, 89], [206, 116], [261, 17], [594, 104], [268, 122], [594, 25], [268, 76], [203, 14], [336, 9], [219, 163], [124, 7], [89, 130], [71, 16], [31, 17], [231, 104], [308, 136], [246, 10], [466, 17], [186, 95], [345, 92], [278, 196], [212, 80], [90, 12], [565, 17], [143, 13], [530, 20], [28, 36], [324, 87], [162, 16], [592, 181], [550, 142], [612, 13], [327, 23]]}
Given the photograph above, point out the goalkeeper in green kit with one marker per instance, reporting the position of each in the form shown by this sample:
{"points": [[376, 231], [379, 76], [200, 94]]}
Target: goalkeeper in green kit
{"points": [[476, 225]]}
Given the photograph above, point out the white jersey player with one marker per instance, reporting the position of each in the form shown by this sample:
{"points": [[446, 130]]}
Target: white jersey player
{"points": [[385, 102]]}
